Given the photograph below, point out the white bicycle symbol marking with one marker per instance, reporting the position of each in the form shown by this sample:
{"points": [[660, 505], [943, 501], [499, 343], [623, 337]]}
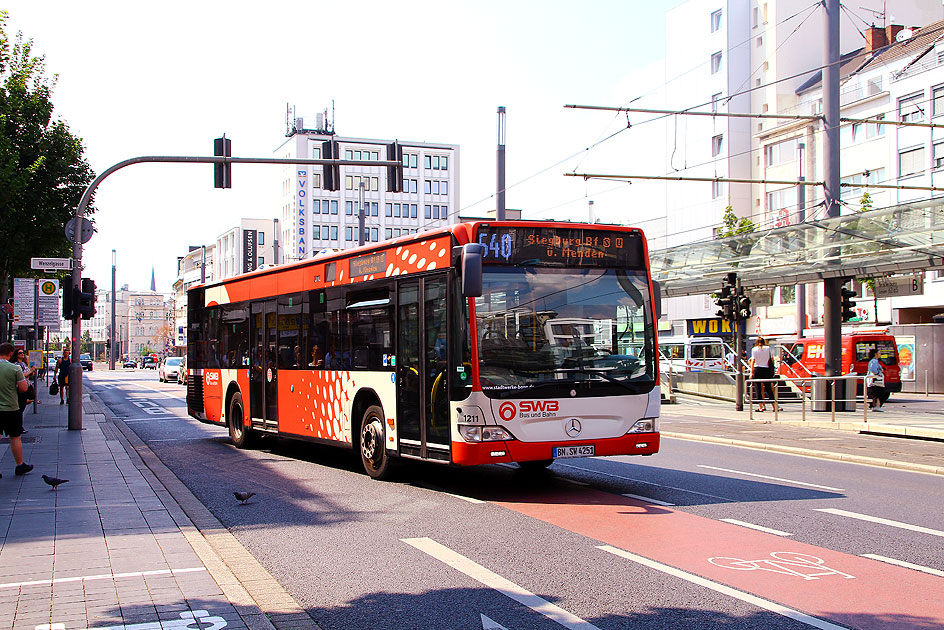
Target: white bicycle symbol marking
{"points": [[786, 562]]}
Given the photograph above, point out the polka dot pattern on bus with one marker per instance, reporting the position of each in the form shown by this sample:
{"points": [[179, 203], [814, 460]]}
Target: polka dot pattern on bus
{"points": [[318, 402]]}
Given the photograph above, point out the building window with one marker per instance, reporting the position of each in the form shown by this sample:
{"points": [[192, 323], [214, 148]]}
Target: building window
{"points": [[444, 162], [348, 182], [911, 162], [854, 190], [786, 295], [388, 233], [334, 206], [428, 211], [260, 261], [348, 233], [396, 210], [427, 162], [937, 101], [716, 145], [349, 208], [427, 187], [325, 231], [715, 102], [412, 210], [756, 13], [781, 152], [910, 109], [717, 189], [374, 206], [716, 63], [436, 162], [716, 21], [334, 232], [388, 209], [938, 155], [760, 41], [261, 236]]}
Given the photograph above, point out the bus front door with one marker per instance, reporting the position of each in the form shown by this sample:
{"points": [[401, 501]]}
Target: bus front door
{"points": [[263, 373], [422, 360]]}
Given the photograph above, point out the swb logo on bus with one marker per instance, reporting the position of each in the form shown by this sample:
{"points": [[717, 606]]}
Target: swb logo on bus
{"points": [[507, 411]]}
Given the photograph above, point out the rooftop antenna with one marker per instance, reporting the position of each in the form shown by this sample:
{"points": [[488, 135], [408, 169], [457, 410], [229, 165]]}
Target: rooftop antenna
{"points": [[878, 14], [332, 115]]}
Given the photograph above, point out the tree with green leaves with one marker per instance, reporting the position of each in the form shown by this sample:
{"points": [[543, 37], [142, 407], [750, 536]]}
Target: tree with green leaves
{"points": [[43, 170], [733, 224]]}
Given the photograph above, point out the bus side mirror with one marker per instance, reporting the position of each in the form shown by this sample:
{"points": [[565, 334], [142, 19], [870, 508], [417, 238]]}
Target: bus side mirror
{"points": [[472, 254], [657, 298]]}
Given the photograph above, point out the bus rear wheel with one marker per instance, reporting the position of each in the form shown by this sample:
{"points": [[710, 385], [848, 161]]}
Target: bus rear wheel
{"points": [[238, 432], [374, 456]]}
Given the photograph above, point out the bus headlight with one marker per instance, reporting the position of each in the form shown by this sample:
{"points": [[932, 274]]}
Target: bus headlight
{"points": [[472, 433], [645, 425]]}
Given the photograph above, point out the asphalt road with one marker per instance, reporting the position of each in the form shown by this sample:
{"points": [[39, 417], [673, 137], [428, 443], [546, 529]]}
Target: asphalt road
{"points": [[490, 547]]}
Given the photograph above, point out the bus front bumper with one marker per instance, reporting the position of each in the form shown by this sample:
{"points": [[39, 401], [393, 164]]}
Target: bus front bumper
{"points": [[508, 451]]}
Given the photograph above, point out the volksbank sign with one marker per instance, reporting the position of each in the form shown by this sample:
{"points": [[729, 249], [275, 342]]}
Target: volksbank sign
{"points": [[302, 208]]}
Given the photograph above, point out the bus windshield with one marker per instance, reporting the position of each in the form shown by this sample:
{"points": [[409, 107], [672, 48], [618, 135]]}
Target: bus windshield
{"points": [[552, 332]]}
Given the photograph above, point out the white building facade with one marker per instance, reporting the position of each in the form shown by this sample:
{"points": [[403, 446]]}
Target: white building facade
{"points": [[314, 218]]}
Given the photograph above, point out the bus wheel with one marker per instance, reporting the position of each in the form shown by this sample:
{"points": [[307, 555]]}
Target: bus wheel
{"points": [[238, 432], [373, 452], [535, 466]]}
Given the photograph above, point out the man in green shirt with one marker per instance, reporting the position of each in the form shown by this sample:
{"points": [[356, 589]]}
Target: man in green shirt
{"points": [[12, 381]]}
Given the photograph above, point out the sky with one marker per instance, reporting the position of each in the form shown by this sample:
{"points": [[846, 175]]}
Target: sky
{"points": [[167, 78]]}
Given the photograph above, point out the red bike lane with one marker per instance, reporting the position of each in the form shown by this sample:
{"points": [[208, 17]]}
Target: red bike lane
{"points": [[841, 588]]}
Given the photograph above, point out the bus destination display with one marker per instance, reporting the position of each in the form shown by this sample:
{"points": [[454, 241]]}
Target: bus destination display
{"points": [[536, 245]]}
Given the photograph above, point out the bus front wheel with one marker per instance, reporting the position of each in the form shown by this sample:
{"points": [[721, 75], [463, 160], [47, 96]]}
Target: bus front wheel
{"points": [[238, 432], [373, 452]]}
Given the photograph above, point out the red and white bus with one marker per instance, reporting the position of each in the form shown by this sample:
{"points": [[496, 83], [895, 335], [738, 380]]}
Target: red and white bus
{"points": [[435, 347]]}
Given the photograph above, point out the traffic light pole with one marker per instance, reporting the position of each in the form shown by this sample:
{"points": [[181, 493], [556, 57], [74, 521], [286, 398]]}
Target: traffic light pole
{"points": [[75, 372], [739, 351]]}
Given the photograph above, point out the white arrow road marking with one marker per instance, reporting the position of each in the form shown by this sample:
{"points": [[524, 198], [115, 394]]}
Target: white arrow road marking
{"points": [[492, 580], [488, 624], [882, 521], [725, 590], [750, 474]]}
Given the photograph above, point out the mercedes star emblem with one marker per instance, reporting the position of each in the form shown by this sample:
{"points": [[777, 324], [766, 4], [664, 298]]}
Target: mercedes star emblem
{"points": [[573, 427]]}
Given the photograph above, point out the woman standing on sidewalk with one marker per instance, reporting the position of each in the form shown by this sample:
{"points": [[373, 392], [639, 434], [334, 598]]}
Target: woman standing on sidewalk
{"points": [[62, 375], [876, 381], [30, 394], [762, 367]]}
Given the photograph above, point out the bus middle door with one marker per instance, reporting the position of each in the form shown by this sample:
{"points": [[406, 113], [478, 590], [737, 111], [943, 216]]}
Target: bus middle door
{"points": [[422, 360], [263, 372]]}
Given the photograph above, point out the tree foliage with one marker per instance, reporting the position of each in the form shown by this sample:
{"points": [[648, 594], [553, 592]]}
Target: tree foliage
{"points": [[733, 224], [43, 170]]}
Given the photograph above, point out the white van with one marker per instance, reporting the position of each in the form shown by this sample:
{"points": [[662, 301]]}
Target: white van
{"points": [[695, 354]]}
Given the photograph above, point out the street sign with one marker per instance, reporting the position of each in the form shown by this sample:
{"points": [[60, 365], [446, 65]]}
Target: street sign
{"points": [[49, 304], [762, 297], [51, 264], [87, 230], [899, 286], [23, 301]]}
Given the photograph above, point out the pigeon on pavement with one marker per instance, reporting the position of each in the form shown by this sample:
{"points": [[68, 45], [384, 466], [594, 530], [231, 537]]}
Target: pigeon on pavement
{"points": [[244, 496], [52, 481]]}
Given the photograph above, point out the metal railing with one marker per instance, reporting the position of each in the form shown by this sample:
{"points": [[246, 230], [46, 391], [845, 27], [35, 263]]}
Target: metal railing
{"points": [[807, 390]]}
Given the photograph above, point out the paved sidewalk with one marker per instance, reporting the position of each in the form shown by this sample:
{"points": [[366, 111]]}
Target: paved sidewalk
{"points": [[112, 548]]}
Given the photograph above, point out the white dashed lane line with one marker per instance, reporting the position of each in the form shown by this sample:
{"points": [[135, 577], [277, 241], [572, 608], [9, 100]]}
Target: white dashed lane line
{"points": [[793, 481], [882, 521]]}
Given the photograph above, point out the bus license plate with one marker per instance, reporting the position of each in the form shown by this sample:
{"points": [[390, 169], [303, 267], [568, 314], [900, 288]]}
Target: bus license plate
{"points": [[561, 452]]}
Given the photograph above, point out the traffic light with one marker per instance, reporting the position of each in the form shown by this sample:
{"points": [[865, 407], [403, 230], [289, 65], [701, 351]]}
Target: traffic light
{"points": [[332, 172], [848, 306], [395, 173], [223, 173], [67, 303], [726, 300], [85, 300], [742, 305]]}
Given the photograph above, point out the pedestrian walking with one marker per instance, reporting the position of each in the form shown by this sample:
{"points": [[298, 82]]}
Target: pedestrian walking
{"points": [[875, 379], [12, 382], [762, 368], [62, 375]]}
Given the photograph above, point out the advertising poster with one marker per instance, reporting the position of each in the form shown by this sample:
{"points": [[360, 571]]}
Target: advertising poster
{"points": [[906, 356]]}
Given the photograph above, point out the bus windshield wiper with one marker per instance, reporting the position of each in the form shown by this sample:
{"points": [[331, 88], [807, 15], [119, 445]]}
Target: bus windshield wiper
{"points": [[597, 372]]}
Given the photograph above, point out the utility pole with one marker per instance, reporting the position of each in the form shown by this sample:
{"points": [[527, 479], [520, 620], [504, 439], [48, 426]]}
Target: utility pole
{"points": [[500, 203], [832, 324], [275, 241], [113, 349], [801, 219]]}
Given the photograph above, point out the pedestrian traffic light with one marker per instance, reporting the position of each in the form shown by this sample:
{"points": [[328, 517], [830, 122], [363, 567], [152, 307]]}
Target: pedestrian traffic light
{"points": [[725, 303], [848, 306], [67, 303], [395, 173], [332, 172], [223, 172], [85, 300], [742, 305]]}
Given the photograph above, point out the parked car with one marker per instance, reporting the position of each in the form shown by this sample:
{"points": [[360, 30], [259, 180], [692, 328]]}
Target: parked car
{"points": [[86, 361], [168, 369], [149, 363], [182, 372]]}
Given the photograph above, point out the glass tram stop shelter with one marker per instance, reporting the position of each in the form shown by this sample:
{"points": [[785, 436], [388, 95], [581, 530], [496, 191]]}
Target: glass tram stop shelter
{"points": [[896, 240]]}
